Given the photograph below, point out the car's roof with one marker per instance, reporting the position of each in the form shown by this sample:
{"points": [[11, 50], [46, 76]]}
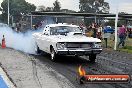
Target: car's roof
{"points": [[61, 24]]}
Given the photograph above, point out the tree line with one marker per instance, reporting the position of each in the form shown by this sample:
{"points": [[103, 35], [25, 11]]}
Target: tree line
{"points": [[21, 7]]}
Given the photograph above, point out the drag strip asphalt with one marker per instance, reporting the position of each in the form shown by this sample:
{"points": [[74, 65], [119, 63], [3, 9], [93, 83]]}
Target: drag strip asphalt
{"points": [[38, 71], [105, 64]]}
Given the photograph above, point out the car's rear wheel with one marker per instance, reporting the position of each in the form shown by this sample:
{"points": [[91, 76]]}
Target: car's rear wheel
{"points": [[38, 51], [92, 58], [53, 55]]}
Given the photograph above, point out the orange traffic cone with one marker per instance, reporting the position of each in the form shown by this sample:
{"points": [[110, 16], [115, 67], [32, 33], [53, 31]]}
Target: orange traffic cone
{"points": [[3, 45]]}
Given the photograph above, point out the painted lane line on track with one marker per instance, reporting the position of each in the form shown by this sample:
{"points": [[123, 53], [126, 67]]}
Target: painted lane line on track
{"points": [[4, 80]]}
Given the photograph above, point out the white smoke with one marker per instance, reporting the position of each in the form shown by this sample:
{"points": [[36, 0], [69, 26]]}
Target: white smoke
{"points": [[19, 41], [22, 41]]}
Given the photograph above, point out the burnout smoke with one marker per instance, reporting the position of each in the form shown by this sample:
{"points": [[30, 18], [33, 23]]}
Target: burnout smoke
{"points": [[22, 41], [19, 41]]}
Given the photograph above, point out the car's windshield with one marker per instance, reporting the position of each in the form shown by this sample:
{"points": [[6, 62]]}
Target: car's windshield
{"points": [[63, 30]]}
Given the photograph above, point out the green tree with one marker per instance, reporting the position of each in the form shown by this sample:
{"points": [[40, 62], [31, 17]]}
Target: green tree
{"points": [[120, 21], [94, 6], [57, 6], [16, 8], [41, 8], [110, 23], [49, 9]]}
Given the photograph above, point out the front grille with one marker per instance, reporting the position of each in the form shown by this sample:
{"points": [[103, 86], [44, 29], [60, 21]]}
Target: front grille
{"points": [[79, 45]]}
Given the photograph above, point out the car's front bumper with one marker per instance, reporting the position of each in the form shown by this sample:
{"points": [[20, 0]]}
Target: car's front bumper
{"points": [[79, 52]]}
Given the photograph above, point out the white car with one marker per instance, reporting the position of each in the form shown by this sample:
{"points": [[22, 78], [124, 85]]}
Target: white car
{"points": [[64, 39]]}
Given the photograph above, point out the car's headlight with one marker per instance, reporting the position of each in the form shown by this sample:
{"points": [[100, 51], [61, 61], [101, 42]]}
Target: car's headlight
{"points": [[61, 45], [97, 45]]}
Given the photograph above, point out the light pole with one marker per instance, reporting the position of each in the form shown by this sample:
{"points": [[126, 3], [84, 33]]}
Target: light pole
{"points": [[8, 13], [31, 21], [116, 22]]}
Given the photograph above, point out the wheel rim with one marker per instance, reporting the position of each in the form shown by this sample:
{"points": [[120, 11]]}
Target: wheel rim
{"points": [[52, 55]]}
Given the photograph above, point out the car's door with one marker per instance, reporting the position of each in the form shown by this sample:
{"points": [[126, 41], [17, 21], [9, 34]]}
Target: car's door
{"points": [[39, 40], [45, 40], [45, 43]]}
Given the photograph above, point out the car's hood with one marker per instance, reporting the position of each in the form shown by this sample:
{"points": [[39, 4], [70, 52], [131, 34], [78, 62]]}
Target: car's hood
{"points": [[73, 38]]}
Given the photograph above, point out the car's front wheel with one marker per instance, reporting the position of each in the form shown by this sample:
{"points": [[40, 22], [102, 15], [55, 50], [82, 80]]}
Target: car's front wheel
{"points": [[92, 58], [53, 55]]}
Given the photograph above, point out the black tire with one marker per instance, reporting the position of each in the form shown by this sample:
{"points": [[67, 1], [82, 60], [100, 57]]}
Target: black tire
{"points": [[53, 55], [38, 51], [92, 58], [82, 80]]}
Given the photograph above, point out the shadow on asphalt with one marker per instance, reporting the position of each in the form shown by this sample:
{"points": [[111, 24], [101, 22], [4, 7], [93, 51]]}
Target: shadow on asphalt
{"points": [[67, 60], [68, 67]]}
